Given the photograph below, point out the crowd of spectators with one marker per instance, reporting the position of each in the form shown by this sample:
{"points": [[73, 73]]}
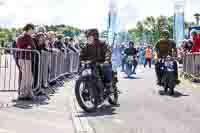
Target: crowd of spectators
{"points": [[192, 45], [38, 39]]}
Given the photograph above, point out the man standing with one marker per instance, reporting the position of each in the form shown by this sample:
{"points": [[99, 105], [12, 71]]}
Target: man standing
{"points": [[24, 62], [148, 56]]}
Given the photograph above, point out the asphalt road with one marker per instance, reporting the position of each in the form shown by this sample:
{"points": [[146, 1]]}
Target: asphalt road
{"points": [[145, 109]]}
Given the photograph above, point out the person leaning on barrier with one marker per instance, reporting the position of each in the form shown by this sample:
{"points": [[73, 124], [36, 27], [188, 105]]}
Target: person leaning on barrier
{"points": [[163, 48], [25, 41], [59, 44], [40, 39], [51, 39], [98, 52], [195, 41], [72, 44]]}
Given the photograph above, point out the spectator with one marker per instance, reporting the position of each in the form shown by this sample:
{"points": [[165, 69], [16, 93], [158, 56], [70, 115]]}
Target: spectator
{"points": [[148, 56], [71, 45], [41, 29], [51, 36], [24, 62], [41, 46], [59, 43], [195, 41], [51, 39], [77, 45]]}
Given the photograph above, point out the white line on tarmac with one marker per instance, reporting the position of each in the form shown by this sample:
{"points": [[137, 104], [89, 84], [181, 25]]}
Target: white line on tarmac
{"points": [[6, 131], [81, 124]]}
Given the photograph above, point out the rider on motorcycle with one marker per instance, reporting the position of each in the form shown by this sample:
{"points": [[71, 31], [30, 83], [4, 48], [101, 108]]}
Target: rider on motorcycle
{"points": [[132, 51], [96, 51], [163, 48]]}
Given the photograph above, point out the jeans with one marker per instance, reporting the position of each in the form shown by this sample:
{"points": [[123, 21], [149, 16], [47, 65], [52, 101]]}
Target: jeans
{"points": [[123, 63], [147, 60]]}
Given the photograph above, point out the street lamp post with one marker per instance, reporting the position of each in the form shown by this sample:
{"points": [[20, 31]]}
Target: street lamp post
{"points": [[197, 17]]}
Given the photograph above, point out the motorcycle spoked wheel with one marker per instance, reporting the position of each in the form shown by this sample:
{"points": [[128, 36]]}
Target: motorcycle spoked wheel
{"points": [[79, 96]]}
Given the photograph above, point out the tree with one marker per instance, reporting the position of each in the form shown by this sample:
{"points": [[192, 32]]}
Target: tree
{"points": [[151, 28]]}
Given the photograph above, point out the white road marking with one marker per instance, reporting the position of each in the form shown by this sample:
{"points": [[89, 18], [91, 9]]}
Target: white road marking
{"points": [[118, 121], [6, 131], [81, 124]]}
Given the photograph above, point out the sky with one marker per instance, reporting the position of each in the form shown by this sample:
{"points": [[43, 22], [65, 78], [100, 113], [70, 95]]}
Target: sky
{"points": [[86, 13]]}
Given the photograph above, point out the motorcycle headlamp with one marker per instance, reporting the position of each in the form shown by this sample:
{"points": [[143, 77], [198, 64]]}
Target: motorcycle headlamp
{"points": [[86, 72]]}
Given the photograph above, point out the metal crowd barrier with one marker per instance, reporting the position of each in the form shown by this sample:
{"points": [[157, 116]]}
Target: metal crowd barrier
{"points": [[17, 71], [57, 64], [191, 64], [35, 68]]}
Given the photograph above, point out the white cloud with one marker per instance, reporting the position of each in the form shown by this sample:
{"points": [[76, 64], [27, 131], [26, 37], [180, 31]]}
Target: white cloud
{"points": [[85, 13]]}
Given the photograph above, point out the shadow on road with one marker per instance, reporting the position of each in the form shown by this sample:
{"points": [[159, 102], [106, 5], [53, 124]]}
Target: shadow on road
{"points": [[176, 94], [103, 111], [28, 104]]}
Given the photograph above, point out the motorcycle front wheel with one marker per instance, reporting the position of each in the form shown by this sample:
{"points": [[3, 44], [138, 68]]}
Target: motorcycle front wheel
{"points": [[113, 99], [85, 94], [129, 69]]}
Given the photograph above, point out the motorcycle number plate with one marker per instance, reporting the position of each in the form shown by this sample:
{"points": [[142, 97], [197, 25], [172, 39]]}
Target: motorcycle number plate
{"points": [[130, 58]]}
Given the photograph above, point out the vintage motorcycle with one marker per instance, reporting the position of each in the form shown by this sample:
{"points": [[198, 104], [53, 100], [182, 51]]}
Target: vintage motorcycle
{"points": [[168, 68], [129, 65], [90, 89]]}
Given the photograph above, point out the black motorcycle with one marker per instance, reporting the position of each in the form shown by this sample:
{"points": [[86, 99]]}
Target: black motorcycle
{"points": [[91, 90], [168, 76]]}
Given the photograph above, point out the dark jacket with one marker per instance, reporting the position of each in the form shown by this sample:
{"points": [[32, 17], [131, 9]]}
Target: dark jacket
{"points": [[130, 51], [59, 45], [98, 52], [69, 47]]}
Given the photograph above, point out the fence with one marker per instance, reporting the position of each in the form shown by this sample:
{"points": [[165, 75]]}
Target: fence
{"points": [[191, 64], [20, 67], [57, 64]]}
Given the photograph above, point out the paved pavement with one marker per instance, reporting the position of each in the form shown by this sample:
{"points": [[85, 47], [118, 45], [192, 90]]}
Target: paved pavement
{"points": [[144, 108], [52, 116]]}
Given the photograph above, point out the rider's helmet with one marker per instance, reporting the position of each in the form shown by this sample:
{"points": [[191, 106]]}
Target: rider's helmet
{"points": [[93, 32], [131, 43], [165, 34]]}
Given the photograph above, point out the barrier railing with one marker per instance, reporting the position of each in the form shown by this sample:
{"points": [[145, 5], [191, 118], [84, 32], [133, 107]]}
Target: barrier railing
{"points": [[60, 64], [20, 67], [17, 61], [191, 64]]}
